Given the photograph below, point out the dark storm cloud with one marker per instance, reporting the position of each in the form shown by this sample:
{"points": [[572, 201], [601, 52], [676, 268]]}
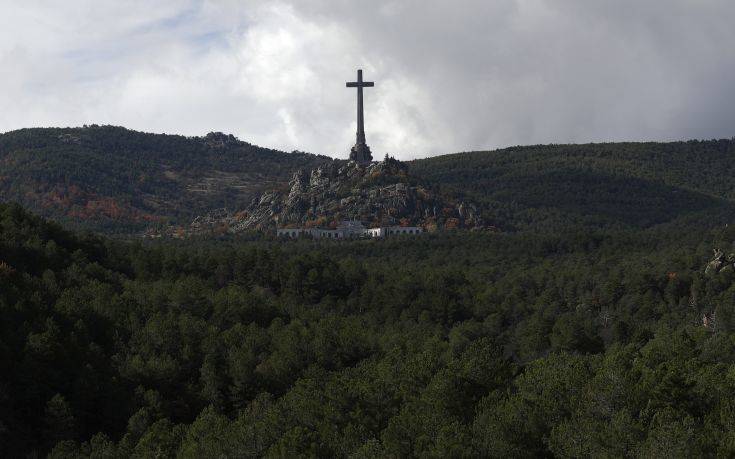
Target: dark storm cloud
{"points": [[510, 72]]}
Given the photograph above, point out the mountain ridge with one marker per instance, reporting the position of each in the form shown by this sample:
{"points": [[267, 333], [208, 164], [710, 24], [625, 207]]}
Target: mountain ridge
{"points": [[118, 181]]}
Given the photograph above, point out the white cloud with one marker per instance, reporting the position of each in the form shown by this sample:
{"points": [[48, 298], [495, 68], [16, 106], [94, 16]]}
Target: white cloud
{"points": [[449, 76]]}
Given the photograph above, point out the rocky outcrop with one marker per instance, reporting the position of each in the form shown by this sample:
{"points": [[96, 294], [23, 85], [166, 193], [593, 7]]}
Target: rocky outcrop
{"points": [[378, 194], [212, 218], [720, 263], [69, 138], [219, 140]]}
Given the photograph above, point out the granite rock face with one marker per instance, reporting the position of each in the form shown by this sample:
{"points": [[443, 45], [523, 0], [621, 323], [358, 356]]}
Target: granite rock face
{"points": [[378, 194], [720, 262]]}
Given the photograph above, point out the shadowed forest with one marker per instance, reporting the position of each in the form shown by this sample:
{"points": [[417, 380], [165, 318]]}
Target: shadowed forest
{"points": [[574, 343]]}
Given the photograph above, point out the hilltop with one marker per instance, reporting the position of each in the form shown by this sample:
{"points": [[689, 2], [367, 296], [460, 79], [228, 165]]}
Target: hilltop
{"points": [[115, 180], [378, 194]]}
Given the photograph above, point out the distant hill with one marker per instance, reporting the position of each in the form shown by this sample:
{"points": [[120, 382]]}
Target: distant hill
{"points": [[115, 180], [620, 184]]}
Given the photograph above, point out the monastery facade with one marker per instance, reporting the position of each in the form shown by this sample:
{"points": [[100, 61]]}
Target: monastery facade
{"points": [[348, 230]]}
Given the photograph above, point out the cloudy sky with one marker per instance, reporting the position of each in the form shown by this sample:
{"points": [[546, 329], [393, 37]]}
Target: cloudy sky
{"points": [[450, 75]]}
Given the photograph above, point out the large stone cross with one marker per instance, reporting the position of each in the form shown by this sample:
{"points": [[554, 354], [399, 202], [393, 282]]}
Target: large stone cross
{"points": [[360, 152]]}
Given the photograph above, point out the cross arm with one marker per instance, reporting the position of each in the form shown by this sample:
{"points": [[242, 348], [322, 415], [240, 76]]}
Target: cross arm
{"points": [[360, 84]]}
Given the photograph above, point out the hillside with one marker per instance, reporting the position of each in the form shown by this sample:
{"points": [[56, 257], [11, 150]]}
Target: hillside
{"points": [[620, 184], [382, 193], [455, 344], [116, 180]]}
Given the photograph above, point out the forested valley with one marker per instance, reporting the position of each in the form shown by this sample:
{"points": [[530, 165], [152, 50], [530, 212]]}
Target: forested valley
{"points": [[578, 342]]}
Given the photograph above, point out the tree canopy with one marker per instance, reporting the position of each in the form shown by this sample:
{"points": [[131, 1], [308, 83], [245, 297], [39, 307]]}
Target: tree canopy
{"points": [[567, 343]]}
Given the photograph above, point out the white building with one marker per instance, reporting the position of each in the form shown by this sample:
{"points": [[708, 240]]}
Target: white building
{"points": [[349, 229], [375, 232]]}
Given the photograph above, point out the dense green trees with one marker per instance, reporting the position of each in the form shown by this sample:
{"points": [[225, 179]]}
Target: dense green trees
{"points": [[115, 180], [577, 344], [608, 184]]}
